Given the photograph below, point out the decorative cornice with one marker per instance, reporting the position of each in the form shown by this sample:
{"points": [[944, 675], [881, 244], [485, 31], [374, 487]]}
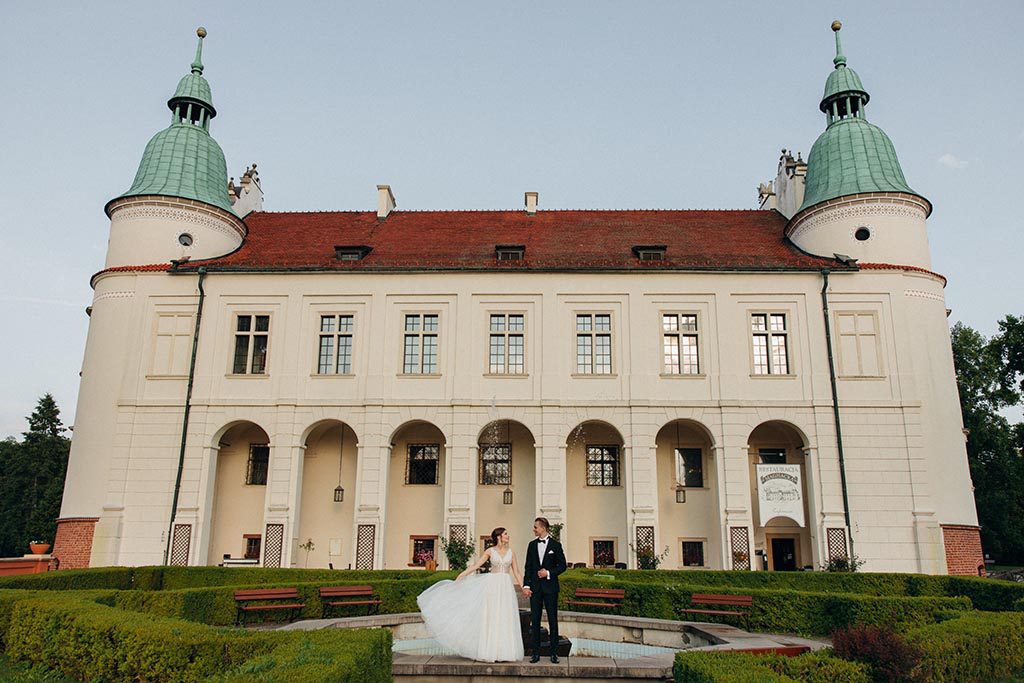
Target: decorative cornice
{"points": [[858, 206], [184, 210]]}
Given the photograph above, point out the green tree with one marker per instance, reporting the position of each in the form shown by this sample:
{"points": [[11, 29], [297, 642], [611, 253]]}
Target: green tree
{"points": [[990, 378], [32, 476]]}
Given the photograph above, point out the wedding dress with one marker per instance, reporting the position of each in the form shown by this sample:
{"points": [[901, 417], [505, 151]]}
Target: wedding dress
{"points": [[478, 616]]}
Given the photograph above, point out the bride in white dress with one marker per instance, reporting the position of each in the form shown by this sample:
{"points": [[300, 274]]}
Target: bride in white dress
{"points": [[477, 615]]}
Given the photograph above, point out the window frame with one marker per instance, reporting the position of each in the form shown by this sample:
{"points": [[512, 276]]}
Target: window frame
{"points": [[250, 470], [679, 334], [251, 334], [617, 478], [774, 450], [420, 333], [593, 333], [482, 465], [155, 342], [681, 541], [603, 539], [413, 538], [787, 333], [409, 461], [246, 539], [838, 335], [506, 333], [318, 317]]}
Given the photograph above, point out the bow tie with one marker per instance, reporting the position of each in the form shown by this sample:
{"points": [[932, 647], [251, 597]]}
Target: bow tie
{"points": [[542, 540]]}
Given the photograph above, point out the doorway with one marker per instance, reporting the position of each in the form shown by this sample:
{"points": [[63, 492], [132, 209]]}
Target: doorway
{"points": [[783, 554]]}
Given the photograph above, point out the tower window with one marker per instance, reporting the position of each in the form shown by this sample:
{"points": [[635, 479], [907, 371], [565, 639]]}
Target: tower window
{"points": [[862, 234], [185, 239]]}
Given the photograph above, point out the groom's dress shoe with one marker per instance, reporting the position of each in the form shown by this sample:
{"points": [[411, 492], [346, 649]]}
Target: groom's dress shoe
{"points": [[554, 659], [535, 658]]}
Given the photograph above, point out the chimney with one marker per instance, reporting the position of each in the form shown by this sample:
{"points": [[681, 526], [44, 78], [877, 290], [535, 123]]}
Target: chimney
{"points": [[385, 201], [248, 195], [531, 203]]}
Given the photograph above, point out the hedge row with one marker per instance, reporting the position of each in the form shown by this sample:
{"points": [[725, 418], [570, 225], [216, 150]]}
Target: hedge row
{"points": [[216, 606], [737, 667], [985, 594], [975, 647], [91, 641], [783, 611]]}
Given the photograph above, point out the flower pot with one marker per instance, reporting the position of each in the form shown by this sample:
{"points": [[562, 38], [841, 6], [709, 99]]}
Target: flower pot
{"points": [[39, 548], [430, 565]]}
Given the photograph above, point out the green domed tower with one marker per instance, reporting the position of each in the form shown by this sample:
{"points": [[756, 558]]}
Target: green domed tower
{"points": [[853, 163], [181, 187]]}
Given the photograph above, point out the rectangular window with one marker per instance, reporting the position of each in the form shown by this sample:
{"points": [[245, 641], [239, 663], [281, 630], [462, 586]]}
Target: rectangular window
{"points": [[496, 464], [252, 333], [771, 343], [419, 356], [423, 550], [421, 464], [858, 345], [602, 465], [693, 553], [679, 344], [772, 456], [172, 350], [335, 348], [594, 344], [604, 553], [252, 546], [690, 464], [507, 346], [259, 460]]}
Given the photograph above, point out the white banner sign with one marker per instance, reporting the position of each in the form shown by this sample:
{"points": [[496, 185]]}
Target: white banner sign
{"points": [[779, 493]]}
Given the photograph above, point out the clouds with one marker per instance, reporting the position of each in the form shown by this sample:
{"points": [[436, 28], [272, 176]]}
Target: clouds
{"points": [[951, 161]]}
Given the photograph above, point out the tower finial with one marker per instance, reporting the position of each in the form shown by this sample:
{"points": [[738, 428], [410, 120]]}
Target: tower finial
{"points": [[197, 64], [840, 59]]}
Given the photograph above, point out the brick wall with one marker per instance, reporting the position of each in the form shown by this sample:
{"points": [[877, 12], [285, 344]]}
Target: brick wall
{"points": [[963, 549], [73, 544]]}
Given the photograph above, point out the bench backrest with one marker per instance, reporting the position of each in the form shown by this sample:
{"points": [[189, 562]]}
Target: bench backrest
{"points": [[713, 599], [346, 591], [267, 594], [606, 593]]}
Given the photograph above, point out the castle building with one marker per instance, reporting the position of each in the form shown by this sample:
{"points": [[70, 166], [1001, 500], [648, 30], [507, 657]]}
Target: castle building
{"points": [[768, 389]]}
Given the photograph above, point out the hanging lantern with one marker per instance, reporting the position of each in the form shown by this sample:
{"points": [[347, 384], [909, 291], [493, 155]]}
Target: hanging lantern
{"points": [[680, 494], [506, 497], [339, 492]]}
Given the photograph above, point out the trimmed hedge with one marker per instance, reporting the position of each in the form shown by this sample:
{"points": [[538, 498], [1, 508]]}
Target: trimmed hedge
{"points": [[216, 606], [91, 641], [738, 667], [785, 611], [974, 647], [986, 594], [120, 578]]}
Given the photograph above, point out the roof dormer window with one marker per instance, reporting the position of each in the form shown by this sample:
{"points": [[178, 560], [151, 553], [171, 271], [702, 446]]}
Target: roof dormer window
{"points": [[650, 252], [510, 252], [352, 253]]}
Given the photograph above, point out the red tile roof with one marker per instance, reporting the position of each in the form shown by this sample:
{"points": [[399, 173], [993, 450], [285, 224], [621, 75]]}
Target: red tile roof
{"points": [[913, 269], [554, 240]]}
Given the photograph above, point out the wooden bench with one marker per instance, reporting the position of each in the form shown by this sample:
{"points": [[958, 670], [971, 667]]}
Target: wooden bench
{"points": [[706, 600], [353, 595], [267, 599], [608, 598]]}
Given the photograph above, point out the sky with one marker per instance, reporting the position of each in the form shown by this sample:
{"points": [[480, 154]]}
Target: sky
{"points": [[466, 105]]}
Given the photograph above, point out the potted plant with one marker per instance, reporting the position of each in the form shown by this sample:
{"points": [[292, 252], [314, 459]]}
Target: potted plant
{"points": [[458, 552], [39, 547]]}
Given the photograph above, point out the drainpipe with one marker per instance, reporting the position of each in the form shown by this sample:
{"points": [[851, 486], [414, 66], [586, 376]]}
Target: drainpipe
{"points": [[185, 416], [835, 405]]}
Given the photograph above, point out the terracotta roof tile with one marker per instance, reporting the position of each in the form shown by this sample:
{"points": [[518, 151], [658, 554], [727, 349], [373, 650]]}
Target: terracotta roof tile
{"points": [[554, 240]]}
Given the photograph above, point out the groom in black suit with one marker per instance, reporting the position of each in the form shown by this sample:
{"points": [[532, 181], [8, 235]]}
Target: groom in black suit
{"points": [[544, 562]]}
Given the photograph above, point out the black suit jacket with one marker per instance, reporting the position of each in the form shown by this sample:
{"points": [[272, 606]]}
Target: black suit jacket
{"points": [[554, 562]]}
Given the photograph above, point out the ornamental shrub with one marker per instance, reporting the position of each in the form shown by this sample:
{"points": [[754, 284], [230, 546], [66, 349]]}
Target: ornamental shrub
{"points": [[741, 667], [888, 653], [978, 646]]}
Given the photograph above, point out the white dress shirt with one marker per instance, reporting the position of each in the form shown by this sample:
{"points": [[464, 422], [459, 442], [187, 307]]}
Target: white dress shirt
{"points": [[542, 549]]}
